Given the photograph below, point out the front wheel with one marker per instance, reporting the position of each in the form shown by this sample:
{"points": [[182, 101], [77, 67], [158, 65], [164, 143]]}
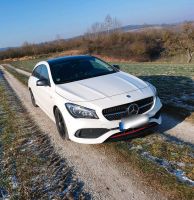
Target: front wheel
{"points": [[60, 123]]}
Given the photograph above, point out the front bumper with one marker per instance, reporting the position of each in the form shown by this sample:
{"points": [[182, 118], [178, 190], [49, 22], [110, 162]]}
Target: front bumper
{"points": [[95, 131]]}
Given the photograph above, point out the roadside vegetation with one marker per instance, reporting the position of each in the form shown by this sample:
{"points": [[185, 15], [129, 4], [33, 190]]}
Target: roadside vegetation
{"points": [[156, 155], [166, 165], [29, 166], [107, 39], [174, 82], [21, 77]]}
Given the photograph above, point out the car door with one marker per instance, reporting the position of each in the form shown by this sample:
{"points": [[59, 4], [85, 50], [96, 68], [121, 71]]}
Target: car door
{"points": [[45, 92]]}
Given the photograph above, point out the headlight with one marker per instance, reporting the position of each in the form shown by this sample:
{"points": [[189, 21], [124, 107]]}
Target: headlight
{"points": [[81, 112], [153, 88]]}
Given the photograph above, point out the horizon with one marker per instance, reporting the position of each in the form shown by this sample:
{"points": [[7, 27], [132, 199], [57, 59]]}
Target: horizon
{"points": [[37, 22]]}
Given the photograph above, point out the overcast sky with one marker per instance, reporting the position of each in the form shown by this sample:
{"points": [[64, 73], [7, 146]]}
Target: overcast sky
{"points": [[42, 20]]}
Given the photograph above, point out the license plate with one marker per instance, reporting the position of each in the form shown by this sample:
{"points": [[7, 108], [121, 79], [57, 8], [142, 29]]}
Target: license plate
{"points": [[133, 122]]}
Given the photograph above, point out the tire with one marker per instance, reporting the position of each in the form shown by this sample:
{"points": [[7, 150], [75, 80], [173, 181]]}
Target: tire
{"points": [[60, 123], [33, 99]]}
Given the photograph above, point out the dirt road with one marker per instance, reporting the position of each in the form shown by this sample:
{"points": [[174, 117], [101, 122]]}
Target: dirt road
{"points": [[96, 165]]}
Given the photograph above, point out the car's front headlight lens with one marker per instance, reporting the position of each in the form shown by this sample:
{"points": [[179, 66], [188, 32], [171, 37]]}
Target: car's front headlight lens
{"points": [[80, 111], [153, 88]]}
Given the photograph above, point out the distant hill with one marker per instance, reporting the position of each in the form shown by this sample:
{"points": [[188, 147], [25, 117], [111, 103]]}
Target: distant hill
{"points": [[132, 28], [3, 49]]}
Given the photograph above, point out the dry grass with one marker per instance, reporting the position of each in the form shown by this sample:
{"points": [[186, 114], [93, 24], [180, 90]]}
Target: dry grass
{"points": [[30, 167]]}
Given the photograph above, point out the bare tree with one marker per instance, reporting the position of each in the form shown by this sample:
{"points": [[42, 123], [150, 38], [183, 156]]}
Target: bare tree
{"points": [[181, 41], [58, 42], [186, 40], [95, 29], [108, 26], [111, 24], [26, 47], [108, 23]]}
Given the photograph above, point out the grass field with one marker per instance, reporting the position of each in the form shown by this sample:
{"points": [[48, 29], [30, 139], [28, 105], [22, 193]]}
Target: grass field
{"points": [[174, 82], [138, 69], [27, 65]]}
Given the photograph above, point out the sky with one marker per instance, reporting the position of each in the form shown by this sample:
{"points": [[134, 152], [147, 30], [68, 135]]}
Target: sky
{"points": [[43, 20]]}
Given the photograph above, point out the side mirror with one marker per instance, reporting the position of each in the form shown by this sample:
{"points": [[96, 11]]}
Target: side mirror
{"points": [[116, 66], [42, 82]]}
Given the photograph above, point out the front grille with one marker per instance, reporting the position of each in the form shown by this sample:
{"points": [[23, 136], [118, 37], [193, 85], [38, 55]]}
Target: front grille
{"points": [[119, 112]]}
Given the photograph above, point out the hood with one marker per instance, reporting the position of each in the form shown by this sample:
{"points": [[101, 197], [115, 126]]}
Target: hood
{"points": [[100, 87]]}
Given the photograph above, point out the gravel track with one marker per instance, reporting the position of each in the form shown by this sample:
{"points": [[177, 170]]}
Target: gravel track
{"points": [[19, 70], [96, 165], [183, 130]]}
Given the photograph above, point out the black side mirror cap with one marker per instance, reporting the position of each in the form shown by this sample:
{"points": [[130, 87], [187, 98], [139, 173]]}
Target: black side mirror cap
{"points": [[42, 82], [116, 66]]}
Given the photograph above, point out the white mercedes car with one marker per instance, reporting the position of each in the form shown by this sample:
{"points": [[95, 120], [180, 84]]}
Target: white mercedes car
{"points": [[92, 101]]}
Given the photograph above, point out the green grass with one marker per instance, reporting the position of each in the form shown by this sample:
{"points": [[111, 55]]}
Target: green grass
{"points": [[147, 69], [138, 69], [151, 173], [174, 82], [21, 77], [8, 137], [28, 65], [155, 175]]}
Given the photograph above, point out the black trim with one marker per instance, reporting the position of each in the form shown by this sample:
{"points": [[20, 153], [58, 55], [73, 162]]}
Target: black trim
{"points": [[157, 115], [91, 132], [66, 58], [148, 130], [120, 111]]}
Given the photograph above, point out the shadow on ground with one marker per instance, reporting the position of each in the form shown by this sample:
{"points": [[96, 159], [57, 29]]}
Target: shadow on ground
{"points": [[175, 91], [177, 96]]}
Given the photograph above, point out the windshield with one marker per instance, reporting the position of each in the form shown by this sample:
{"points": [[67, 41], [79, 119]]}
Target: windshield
{"points": [[79, 69]]}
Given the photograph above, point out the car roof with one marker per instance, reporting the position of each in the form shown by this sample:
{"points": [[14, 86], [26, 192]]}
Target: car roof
{"points": [[66, 58]]}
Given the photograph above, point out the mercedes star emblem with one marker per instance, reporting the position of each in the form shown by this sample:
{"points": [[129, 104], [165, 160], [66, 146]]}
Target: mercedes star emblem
{"points": [[133, 109]]}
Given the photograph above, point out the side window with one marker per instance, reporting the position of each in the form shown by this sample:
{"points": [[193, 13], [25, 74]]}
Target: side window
{"points": [[44, 73], [36, 72]]}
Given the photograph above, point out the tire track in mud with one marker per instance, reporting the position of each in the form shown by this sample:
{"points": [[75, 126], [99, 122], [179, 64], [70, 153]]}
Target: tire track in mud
{"points": [[49, 176]]}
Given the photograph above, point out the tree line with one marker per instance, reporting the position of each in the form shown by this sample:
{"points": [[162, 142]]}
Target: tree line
{"points": [[107, 39]]}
